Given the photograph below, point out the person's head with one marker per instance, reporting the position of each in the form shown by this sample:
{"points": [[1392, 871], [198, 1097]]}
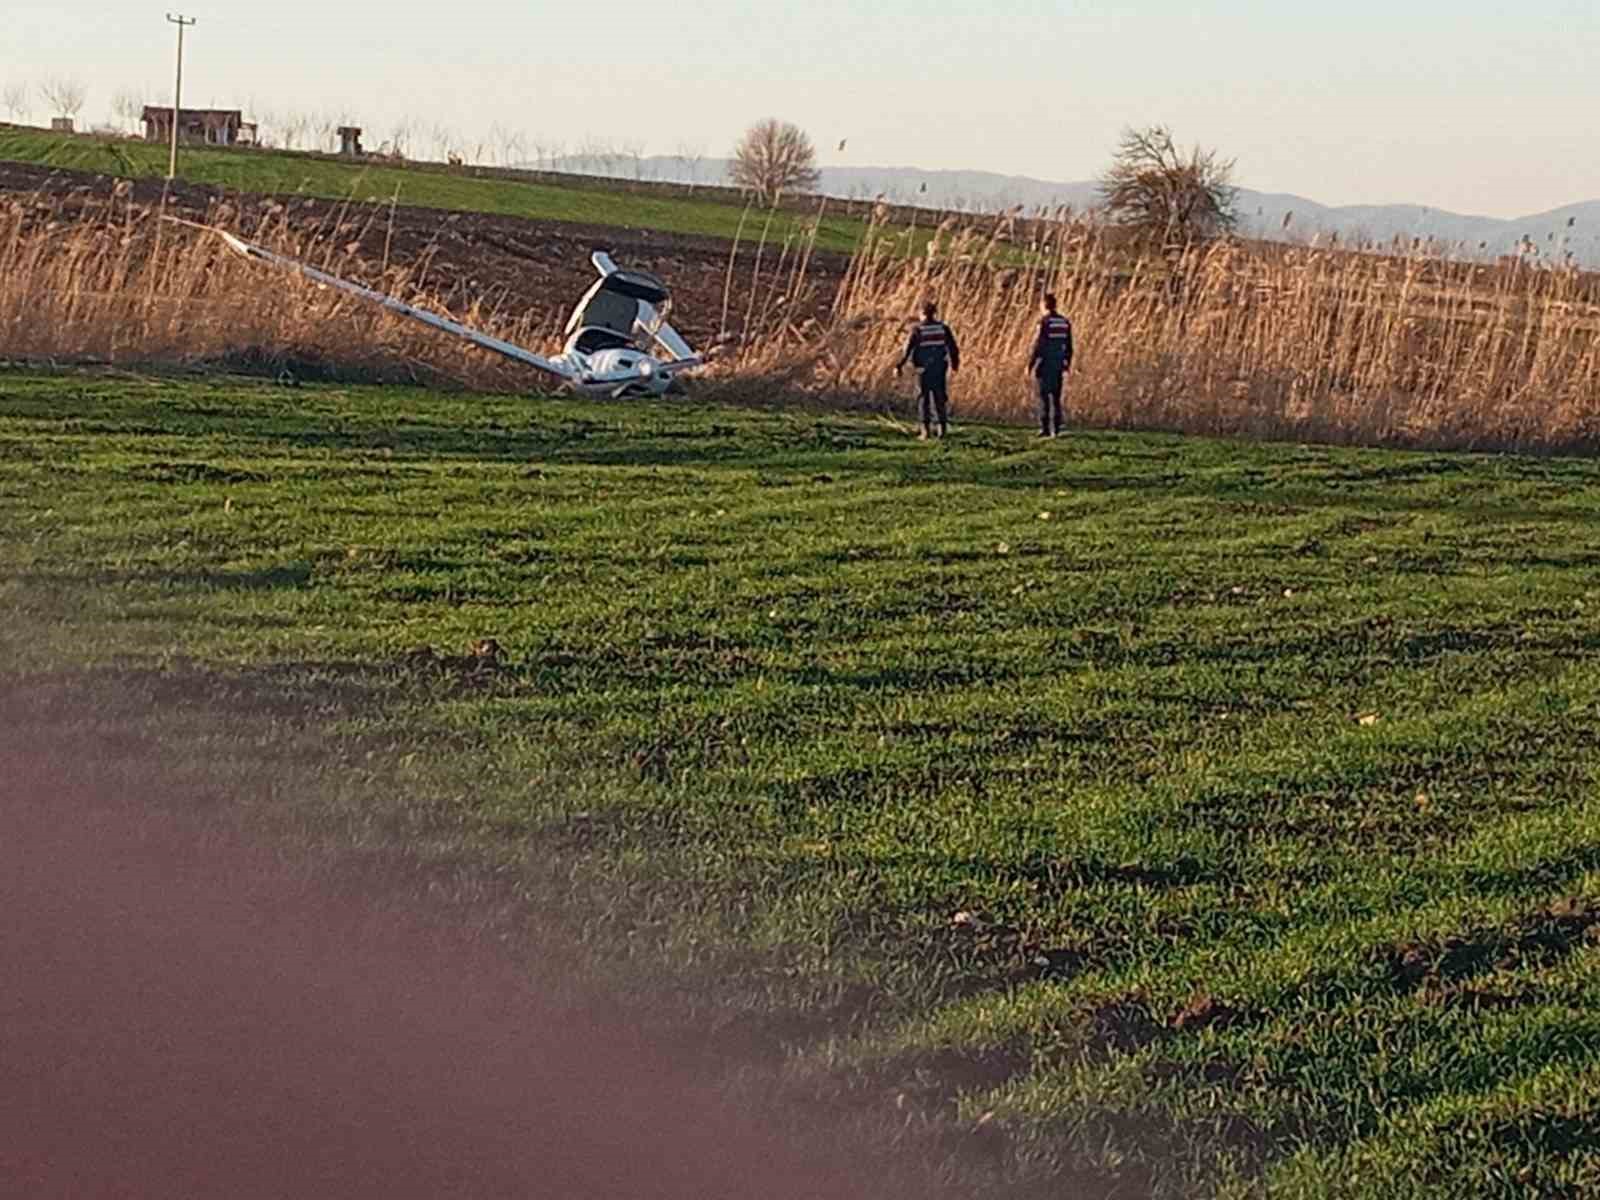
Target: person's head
{"points": [[1049, 302], [929, 311]]}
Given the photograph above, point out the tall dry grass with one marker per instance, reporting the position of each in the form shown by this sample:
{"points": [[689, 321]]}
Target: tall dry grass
{"points": [[121, 285], [1305, 343], [1404, 347]]}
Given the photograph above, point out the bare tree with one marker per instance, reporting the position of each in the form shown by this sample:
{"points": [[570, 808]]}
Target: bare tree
{"points": [[444, 142], [1163, 193], [633, 152], [64, 96], [325, 132], [295, 127], [400, 137], [15, 98], [774, 157], [594, 156], [128, 108], [600, 157], [268, 127], [689, 157], [504, 139]]}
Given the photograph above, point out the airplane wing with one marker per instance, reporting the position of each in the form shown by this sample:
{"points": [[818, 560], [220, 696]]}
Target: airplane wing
{"points": [[514, 352]]}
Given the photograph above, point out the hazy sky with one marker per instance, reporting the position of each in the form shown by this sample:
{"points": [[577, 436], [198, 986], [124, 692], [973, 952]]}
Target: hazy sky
{"points": [[1471, 105]]}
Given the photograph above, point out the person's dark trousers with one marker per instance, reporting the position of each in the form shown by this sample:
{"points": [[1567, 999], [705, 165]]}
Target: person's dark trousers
{"points": [[933, 399], [1051, 420]]}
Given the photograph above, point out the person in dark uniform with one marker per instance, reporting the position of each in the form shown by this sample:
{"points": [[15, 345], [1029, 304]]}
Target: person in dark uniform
{"points": [[1052, 357], [933, 351]]}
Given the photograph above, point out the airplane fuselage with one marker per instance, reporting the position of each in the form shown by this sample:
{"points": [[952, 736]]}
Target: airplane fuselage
{"points": [[620, 372]]}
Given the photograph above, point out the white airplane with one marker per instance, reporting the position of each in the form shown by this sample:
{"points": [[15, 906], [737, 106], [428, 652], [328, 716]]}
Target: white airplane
{"points": [[618, 341]]}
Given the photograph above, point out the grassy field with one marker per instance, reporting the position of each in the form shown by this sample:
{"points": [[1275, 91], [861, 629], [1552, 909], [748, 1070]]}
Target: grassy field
{"points": [[1146, 814], [274, 173]]}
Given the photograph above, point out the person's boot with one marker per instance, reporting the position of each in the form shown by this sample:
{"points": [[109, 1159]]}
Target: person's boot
{"points": [[923, 436], [944, 432]]}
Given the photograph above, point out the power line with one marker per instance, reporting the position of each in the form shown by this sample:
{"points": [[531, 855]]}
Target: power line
{"points": [[182, 22]]}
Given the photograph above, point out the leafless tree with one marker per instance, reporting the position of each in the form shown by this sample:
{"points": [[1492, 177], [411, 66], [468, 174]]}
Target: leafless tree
{"points": [[689, 157], [267, 127], [633, 153], [1155, 188], [15, 98], [505, 141], [295, 127], [774, 157], [128, 108], [400, 137], [64, 96], [595, 156], [444, 142], [325, 129], [604, 156]]}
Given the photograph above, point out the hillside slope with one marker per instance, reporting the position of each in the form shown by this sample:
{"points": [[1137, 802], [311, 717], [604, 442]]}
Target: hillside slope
{"points": [[1575, 227]]}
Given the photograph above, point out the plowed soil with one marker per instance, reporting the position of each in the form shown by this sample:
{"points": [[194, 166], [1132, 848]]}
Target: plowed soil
{"points": [[522, 266]]}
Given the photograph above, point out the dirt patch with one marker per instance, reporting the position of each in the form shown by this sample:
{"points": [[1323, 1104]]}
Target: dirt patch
{"points": [[939, 1077], [1121, 1026], [481, 668], [1209, 1073], [1204, 1011], [1442, 969], [512, 264], [1550, 1134]]}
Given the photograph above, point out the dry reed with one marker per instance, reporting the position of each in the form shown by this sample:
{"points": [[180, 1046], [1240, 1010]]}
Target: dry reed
{"points": [[119, 285], [1304, 343], [1405, 347]]}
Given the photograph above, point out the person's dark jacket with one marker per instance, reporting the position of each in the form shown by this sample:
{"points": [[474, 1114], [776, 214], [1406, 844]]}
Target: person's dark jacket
{"points": [[932, 345], [1052, 350]]}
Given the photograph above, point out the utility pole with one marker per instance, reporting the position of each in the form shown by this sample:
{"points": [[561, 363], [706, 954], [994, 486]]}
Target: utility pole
{"points": [[182, 23]]}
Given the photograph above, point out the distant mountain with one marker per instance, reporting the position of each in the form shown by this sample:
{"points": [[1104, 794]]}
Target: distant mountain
{"points": [[1574, 228]]}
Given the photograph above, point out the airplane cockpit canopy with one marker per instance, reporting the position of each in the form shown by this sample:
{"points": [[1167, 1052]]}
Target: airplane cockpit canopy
{"points": [[613, 302], [640, 285]]}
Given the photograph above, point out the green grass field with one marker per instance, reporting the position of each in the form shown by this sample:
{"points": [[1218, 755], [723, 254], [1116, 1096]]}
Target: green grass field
{"points": [[1185, 816], [267, 172]]}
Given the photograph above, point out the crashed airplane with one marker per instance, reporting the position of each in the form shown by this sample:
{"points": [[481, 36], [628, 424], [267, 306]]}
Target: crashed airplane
{"points": [[619, 344]]}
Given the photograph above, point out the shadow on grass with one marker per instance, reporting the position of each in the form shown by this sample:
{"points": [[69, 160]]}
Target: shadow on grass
{"points": [[287, 577]]}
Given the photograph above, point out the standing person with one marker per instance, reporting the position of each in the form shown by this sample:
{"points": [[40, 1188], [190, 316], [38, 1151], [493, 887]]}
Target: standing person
{"points": [[1052, 357], [932, 350]]}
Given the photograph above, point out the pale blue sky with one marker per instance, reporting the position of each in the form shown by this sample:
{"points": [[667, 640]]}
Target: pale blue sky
{"points": [[1469, 105]]}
